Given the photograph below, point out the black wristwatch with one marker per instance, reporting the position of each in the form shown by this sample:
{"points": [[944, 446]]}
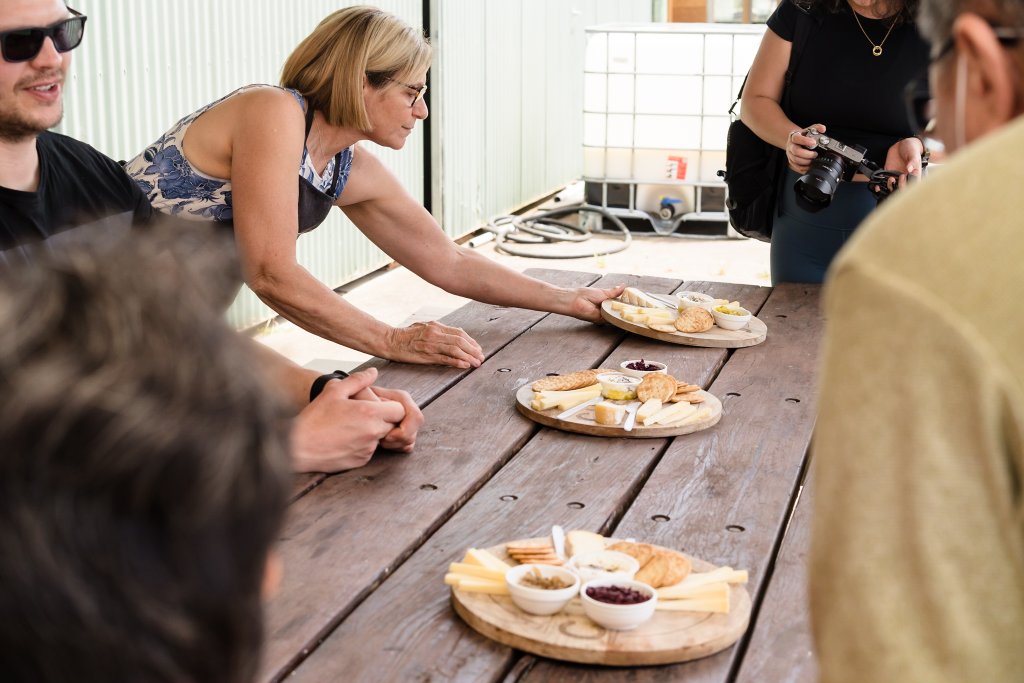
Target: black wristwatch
{"points": [[320, 382]]}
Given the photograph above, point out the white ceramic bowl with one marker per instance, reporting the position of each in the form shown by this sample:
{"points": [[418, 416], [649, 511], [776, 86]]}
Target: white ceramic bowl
{"points": [[662, 368], [617, 386], [604, 564], [539, 600], [731, 322], [698, 299], [619, 617]]}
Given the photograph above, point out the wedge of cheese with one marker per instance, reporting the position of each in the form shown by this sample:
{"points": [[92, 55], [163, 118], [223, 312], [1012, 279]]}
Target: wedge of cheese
{"points": [[607, 413], [579, 541], [470, 584], [726, 574], [478, 572], [671, 413], [706, 591], [543, 400], [716, 604], [647, 410], [482, 558], [632, 295]]}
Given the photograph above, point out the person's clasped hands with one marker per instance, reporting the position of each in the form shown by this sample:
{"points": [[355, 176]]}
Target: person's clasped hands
{"points": [[343, 427]]}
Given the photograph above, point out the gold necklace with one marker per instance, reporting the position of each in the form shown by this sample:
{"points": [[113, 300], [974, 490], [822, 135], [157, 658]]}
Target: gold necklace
{"points": [[876, 50]]}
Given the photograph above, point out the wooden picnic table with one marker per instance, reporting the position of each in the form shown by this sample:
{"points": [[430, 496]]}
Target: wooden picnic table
{"points": [[366, 551]]}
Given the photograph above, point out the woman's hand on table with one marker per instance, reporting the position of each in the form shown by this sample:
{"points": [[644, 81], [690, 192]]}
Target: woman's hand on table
{"points": [[586, 301], [800, 149], [434, 343], [342, 428]]}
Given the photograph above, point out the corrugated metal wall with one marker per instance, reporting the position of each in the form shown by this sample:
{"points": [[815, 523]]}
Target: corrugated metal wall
{"points": [[508, 123], [505, 94]]}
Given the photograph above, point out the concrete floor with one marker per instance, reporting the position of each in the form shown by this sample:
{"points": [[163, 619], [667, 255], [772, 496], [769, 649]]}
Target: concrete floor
{"points": [[385, 293]]}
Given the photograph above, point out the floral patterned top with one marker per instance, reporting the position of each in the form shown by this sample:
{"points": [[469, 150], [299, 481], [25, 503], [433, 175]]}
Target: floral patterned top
{"points": [[174, 186]]}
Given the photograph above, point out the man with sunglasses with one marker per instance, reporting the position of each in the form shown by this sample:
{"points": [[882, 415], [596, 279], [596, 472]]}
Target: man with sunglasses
{"points": [[50, 183], [917, 568]]}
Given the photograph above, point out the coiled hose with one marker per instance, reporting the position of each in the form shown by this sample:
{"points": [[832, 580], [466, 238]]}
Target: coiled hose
{"points": [[543, 228]]}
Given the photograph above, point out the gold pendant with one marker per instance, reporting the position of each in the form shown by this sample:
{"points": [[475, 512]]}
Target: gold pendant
{"points": [[877, 50]]}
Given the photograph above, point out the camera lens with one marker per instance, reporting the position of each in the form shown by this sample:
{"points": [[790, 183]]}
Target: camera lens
{"points": [[815, 188]]}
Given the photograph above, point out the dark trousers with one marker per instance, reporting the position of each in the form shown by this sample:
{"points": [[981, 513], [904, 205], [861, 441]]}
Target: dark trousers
{"points": [[804, 243]]}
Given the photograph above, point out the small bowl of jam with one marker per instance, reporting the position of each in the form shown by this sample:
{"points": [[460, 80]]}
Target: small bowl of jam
{"points": [[618, 604], [639, 367]]}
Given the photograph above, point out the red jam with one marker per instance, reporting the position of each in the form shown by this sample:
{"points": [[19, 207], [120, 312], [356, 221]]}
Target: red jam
{"points": [[641, 366], [617, 595]]}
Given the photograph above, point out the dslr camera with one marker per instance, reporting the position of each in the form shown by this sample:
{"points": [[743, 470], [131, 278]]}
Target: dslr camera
{"points": [[835, 161]]}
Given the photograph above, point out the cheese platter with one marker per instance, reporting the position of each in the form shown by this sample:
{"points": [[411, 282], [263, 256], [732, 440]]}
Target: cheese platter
{"points": [[609, 602], [696, 320], [605, 402]]}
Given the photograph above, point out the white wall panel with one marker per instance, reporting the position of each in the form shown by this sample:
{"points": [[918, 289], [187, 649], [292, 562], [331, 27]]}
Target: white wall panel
{"points": [[144, 64], [508, 87]]}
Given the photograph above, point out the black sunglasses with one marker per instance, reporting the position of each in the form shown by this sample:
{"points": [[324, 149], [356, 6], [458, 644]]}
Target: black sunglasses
{"points": [[23, 44], [1007, 37]]}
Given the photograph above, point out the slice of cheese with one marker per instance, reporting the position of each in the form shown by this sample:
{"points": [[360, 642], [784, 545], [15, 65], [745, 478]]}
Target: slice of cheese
{"points": [[471, 585], [542, 400], [649, 408], [634, 317], [632, 295], [579, 541], [479, 572], [727, 574], [482, 558], [658, 313], [672, 413], [716, 604], [707, 591], [606, 413]]}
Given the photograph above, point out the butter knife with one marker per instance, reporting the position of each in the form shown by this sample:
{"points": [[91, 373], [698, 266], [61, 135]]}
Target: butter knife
{"points": [[630, 416], [575, 409], [558, 540]]}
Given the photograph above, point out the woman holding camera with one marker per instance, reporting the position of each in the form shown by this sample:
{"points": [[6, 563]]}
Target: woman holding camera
{"points": [[849, 80], [270, 163]]}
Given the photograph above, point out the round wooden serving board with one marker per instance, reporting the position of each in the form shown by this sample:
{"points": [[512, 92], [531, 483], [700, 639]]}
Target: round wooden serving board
{"points": [[752, 335], [583, 422], [571, 636]]}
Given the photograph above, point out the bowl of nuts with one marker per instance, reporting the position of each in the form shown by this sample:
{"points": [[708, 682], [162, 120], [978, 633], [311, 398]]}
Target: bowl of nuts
{"points": [[541, 589]]}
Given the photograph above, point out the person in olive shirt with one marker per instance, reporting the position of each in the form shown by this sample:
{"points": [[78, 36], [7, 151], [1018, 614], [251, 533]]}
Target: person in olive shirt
{"points": [[50, 184], [917, 560]]}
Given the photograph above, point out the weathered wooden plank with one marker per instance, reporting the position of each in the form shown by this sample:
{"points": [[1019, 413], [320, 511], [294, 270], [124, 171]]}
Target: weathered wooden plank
{"points": [[350, 532], [406, 630], [724, 494], [780, 647], [491, 326]]}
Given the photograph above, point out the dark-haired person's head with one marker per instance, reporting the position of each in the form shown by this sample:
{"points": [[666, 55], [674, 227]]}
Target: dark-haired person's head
{"points": [[143, 475], [977, 65]]}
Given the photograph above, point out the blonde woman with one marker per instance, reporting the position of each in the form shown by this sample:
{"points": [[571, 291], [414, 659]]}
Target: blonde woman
{"points": [[359, 76]]}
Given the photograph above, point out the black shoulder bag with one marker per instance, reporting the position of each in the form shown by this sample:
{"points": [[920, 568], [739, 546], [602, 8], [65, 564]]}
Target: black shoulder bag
{"points": [[754, 169]]}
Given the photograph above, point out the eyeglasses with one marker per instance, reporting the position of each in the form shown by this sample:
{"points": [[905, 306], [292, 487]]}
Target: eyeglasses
{"points": [[23, 44], [1007, 36], [420, 91], [917, 96]]}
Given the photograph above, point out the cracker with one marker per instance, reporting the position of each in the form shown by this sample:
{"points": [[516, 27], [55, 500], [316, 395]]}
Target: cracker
{"points": [[641, 551], [689, 398], [684, 388], [658, 327], [656, 385], [694, 319], [574, 380]]}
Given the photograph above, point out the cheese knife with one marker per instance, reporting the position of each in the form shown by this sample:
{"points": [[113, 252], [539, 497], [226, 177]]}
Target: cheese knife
{"points": [[575, 409], [558, 540], [630, 416]]}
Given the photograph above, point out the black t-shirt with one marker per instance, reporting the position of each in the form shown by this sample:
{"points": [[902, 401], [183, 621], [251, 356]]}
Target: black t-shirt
{"points": [[77, 185], [839, 83]]}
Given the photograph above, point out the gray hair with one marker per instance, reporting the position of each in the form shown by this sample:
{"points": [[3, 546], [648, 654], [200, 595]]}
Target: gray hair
{"points": [[143, 472], [936, 17]]}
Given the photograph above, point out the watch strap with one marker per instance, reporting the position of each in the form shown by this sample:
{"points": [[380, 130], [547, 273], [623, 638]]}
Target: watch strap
{"points": [[320, 382]]}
